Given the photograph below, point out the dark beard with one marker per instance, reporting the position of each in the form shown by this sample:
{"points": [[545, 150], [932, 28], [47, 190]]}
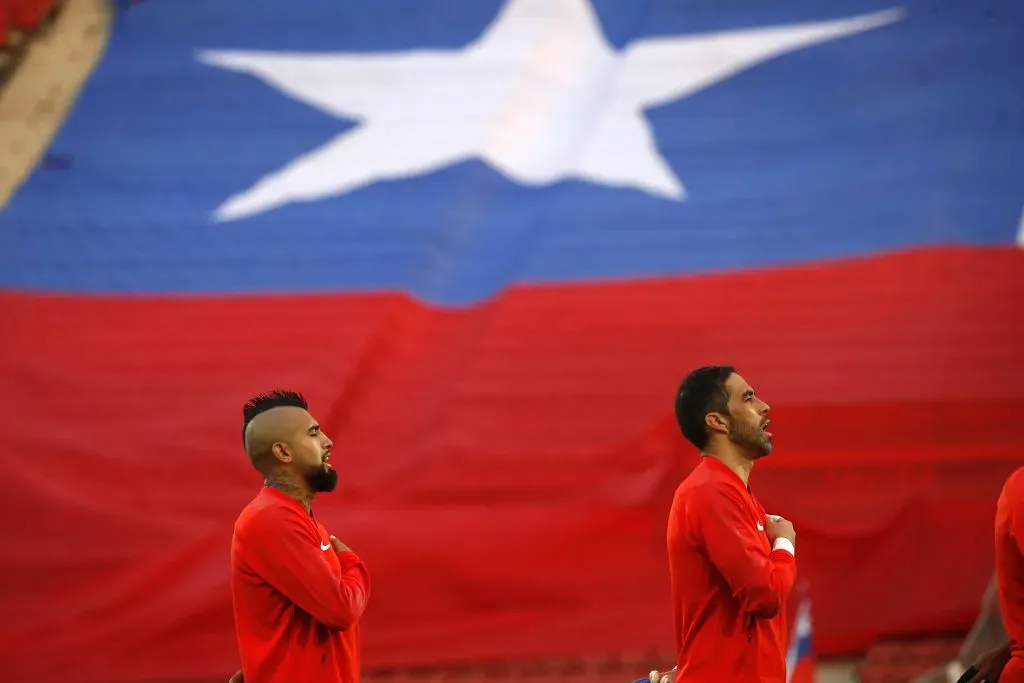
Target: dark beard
{"points": [[323, 480], [751, 439]]}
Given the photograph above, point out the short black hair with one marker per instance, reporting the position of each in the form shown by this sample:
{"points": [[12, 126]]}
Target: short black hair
{"points": [[261, 403], [701, 392]]}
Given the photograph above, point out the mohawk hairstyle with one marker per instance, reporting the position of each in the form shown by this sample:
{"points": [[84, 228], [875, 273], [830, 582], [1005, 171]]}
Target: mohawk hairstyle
{"points": [[261, 403]]}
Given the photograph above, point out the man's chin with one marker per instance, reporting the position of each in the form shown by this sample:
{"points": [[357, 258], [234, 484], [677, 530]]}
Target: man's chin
{"points": [[755, 450], [324, 480], [763, 449]]}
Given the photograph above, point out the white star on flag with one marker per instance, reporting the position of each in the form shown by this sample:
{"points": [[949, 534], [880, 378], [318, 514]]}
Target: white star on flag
{"points": [[540, 96]]}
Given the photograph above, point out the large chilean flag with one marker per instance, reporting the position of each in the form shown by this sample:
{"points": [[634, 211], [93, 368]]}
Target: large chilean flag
{"points": [[487, 238]]}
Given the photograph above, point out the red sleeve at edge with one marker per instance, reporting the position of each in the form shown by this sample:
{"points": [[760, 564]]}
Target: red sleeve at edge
{"points": [[1014, 492]]}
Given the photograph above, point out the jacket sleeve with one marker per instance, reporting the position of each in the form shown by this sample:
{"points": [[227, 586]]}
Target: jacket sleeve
{"points": [[1013, 492], [283, 550], [760, 580], [1017, 524]]}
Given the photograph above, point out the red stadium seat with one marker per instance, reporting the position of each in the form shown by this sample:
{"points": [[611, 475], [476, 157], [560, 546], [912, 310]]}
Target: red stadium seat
{"points": [[5, 22], [28, 14], [901, 661], [574, 670]]}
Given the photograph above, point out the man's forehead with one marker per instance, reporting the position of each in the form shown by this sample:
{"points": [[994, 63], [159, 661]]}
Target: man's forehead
{"points": [[736, 385]]}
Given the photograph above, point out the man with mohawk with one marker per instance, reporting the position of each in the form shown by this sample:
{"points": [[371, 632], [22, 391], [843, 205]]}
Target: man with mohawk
{"points": [[298, 592]]}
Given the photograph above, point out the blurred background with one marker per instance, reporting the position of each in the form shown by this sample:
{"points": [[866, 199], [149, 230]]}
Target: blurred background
{"points": [[487, 238]]}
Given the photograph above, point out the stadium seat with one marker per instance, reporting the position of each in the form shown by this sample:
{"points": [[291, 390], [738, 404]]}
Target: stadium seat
{"points": [[576, 670], [26, 15], [902, 661], [4, 21]]}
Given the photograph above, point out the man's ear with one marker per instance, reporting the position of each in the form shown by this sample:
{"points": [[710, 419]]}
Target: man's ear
{"points": [[281, 452], [717, 422]]}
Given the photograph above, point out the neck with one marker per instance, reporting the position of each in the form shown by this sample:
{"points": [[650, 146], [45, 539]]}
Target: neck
{"points": [[735, 460], [290, 485]]}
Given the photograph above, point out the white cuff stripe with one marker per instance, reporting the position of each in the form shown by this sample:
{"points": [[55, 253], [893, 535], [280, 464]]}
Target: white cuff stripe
{"points": [[785, 544]]}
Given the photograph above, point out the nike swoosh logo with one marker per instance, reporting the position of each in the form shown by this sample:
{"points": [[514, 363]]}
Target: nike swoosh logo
{"points": [[760, 527], [325, 546]]}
